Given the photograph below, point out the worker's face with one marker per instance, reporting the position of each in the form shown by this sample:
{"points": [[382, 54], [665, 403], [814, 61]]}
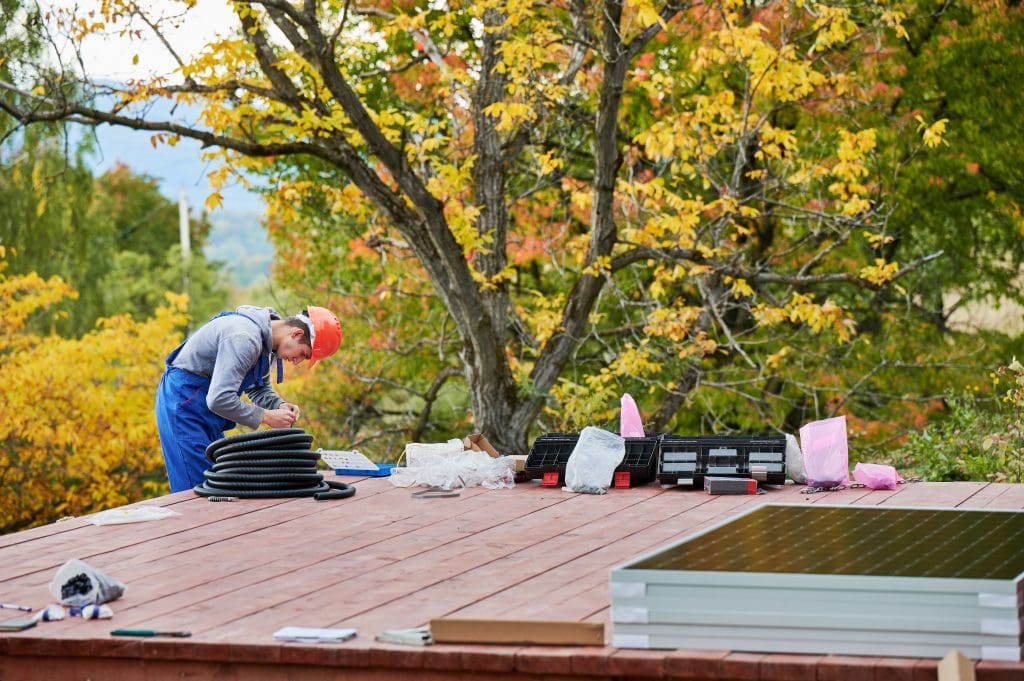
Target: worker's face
{"points": [[292, 349]]}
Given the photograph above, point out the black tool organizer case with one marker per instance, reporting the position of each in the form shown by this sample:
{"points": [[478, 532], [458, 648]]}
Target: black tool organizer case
{"points": [[641, 460], [687, 460], [550, 452]]}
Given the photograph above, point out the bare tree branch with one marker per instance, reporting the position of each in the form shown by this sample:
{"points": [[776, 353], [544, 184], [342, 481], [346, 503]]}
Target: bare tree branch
{"points": [[429, 398], [668, 12], [160, 36]]}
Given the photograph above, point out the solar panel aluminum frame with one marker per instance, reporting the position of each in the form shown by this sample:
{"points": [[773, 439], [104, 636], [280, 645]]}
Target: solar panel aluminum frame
{"points": [[934, 619], [868, 584], [983, 603], [770, 642], [813, 633], [870, 611]]}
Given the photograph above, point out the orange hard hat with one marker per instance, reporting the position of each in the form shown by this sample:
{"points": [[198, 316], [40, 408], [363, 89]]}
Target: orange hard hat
{"points": [[326, 333]]}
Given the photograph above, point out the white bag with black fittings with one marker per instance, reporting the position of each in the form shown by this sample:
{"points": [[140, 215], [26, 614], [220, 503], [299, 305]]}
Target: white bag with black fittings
{"points": [[593, 461]]}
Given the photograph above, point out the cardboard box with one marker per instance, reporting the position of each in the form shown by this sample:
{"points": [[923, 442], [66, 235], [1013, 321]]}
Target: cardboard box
{"points": [[518, 632], [478, 443]]}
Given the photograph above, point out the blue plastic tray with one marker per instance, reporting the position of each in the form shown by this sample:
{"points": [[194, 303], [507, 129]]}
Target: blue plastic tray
{"points": [[383, 471]]}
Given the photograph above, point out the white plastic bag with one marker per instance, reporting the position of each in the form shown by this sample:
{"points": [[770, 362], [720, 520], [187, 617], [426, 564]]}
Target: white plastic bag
{"points": [[416, 452], [135, 514], [593, 461], [444, 470], [77, 583], [795, 461]]}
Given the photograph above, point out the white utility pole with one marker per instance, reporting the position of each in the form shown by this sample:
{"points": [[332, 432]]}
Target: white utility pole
{"points": [[186, 246], [183, 233]]}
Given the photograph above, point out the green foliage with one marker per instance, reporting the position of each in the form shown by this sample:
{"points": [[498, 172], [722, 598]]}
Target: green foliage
{"points": [[114, 238], [766, 233], [373, 392], [45, 200], [978, 438], [963, 64], [143, 250]]}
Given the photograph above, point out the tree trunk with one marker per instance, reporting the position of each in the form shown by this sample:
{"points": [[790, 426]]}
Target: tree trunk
{"points": [[608, 159]]}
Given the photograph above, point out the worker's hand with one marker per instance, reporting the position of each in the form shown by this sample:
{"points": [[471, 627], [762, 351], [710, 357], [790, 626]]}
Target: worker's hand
{"points": [[278, 418], [293, 408]]}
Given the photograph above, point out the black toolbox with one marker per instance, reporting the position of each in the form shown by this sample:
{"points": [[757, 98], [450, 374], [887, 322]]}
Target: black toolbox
{"points": [[550, 453], [688, 460], [641, 461]]}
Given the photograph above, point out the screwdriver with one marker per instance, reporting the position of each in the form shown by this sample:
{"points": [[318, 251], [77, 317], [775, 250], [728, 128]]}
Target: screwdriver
{"points": [[150, 632]]}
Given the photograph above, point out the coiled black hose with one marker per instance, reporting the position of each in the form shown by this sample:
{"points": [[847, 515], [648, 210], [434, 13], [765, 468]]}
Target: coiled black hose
{"points": [[267, 464]]}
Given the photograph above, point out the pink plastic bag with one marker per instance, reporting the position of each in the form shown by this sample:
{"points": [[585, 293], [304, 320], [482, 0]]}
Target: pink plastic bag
{"points": [[630, 424], [826, 457], [876, 475]]}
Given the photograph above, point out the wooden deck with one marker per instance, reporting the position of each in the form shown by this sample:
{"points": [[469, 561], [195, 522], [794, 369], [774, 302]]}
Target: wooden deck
{"points": [[233, 573]]}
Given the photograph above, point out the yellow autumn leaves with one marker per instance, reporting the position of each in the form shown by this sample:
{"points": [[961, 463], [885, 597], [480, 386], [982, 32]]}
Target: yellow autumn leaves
{"points": [[78, 432]]}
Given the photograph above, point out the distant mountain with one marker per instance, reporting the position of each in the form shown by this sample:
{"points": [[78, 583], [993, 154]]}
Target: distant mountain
{"points": [[238, 239]]}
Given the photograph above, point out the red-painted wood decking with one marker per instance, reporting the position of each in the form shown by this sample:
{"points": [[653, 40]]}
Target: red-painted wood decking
{"points": [[233, 573]]}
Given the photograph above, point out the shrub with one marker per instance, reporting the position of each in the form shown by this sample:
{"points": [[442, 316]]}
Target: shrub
{"points": [[979, 439], [78, 433]]}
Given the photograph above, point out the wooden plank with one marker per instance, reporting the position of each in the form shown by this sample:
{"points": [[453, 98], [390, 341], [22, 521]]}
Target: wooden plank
{"points": [[999, 495], [955, 667], [523, 632], [177, 554], [58, 527], [196, 577], [227, 518], [313, 549], [383, 559], [934, 494], [198, 509], [533, 584], [338, 598], [222, 598], [88, 540]]}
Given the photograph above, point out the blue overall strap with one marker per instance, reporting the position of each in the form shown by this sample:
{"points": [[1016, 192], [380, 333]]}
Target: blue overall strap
{"points": [[259, 367]]}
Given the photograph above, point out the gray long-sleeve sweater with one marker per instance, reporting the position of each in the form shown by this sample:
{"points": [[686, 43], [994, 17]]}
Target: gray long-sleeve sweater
{"points": [[224, 350]]}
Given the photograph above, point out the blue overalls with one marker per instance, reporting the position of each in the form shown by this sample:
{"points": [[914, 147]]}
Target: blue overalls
{"points": [[186, 425]]}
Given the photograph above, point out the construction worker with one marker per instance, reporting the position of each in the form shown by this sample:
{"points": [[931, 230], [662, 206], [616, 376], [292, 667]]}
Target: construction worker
{"points": [[199, 396]]}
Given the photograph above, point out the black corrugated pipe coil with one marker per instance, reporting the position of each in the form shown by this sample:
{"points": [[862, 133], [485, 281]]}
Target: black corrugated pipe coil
{"points": [[267, 464]]}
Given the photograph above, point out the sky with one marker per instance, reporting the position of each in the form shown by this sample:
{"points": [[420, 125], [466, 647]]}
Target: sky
{"points": [[111, 57]]}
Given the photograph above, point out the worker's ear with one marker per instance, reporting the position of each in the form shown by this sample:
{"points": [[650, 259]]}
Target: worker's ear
{"points": [[296, 334]]}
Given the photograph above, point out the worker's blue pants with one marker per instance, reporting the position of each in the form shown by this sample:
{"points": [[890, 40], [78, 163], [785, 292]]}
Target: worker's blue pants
{"points": [[186, 426]]}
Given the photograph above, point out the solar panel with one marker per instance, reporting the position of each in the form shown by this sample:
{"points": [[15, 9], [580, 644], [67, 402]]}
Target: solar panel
{"points": [[833, 579], [849, 540]]}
